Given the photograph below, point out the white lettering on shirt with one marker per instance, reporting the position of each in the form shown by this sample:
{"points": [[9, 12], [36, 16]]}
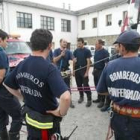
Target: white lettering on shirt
{"points": [[30, 77], [125, 75], [125, 93], [29, 91]]}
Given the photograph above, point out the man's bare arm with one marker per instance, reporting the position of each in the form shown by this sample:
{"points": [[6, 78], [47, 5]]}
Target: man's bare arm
{"points": [[15, 92], [88, 64], [2, 75], [56, 59], [64, 104], [74, 62]]}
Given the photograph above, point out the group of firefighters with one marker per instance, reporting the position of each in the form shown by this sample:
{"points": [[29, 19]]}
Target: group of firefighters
{"points": [[38, 82]]}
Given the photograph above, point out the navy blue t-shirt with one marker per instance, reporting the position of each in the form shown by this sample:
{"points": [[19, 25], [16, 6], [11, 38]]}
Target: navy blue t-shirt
{"points": [[63, 62], [82, 54], [40, 83], [100, 55], [50, 56], [121, 79], [4, 63]]}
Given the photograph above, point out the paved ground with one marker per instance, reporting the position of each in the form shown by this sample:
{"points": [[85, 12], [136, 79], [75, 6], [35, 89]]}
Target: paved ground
{"points": [[92, 123]]}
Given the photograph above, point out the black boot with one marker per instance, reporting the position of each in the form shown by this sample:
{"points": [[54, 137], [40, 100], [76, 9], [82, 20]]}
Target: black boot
{"points": [[96, 101], [101, 104], [81, 99], [4, 135], [88, 104], [14, 136]]}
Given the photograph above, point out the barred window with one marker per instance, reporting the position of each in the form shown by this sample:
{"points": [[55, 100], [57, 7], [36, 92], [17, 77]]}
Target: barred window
{"points": [[47, 22], [94, 22], [24, 20], [65, 25], [108, 20], [83, 24]]}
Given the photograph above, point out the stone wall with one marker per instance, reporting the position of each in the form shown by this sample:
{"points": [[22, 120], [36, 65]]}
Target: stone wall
{"points": [[109, 40]]}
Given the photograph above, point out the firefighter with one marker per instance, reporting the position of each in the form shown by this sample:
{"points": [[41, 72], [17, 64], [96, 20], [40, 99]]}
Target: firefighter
{"points": [[62, 58], [101, 58], [107, 99], [9, 105], [40, 83], [81, 59], [121, 79]]}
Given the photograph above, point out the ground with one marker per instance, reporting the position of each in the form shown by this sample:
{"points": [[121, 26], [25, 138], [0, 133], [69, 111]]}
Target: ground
{"points": [[92, 123]]}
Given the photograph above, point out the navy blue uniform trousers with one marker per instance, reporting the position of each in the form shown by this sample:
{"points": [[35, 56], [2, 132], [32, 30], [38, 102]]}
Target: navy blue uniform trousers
{"points": [[9, 105], [82, 81], [125, 127], [96, 74]]}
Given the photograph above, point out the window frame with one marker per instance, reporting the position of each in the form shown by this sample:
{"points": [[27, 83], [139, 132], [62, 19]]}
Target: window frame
{"points": [[47, 22], [94, 22], [82, 24], [109, 21], [24, 20], [65, 25]]}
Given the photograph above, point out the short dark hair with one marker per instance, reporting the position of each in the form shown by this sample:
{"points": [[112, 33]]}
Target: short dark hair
{"points": [[101, 42], [3, 34], [81, 40], [131, 47], [40, 39]]}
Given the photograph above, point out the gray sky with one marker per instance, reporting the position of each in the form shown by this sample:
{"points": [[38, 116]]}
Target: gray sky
{"points": [[75, 4]]}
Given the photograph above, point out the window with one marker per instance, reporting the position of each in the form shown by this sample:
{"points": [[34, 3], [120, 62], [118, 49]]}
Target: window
{"points": [[65, 25], [47, 22], [83, 24], [108, 20], [124, 15], [24, 20], [94, 22]]}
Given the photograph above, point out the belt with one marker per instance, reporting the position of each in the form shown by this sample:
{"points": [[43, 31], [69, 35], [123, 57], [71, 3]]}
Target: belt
{"points": [[126, 110]]}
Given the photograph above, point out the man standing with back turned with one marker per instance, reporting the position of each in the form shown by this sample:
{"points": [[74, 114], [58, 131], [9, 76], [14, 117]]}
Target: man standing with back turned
{"points": [[40, 83], [121, 79]]}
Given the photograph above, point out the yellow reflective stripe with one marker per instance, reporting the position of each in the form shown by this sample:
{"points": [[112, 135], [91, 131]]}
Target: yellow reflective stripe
{"points": [[38, 124]]}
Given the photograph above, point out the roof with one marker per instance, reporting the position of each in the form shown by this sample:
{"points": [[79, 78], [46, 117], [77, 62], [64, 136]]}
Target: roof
{"points": [[91, 9], [100, 7], [41, 6]]}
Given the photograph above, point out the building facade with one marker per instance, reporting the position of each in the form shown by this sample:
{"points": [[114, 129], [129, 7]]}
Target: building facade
{"points": [[99, 21], [102, 21]]}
